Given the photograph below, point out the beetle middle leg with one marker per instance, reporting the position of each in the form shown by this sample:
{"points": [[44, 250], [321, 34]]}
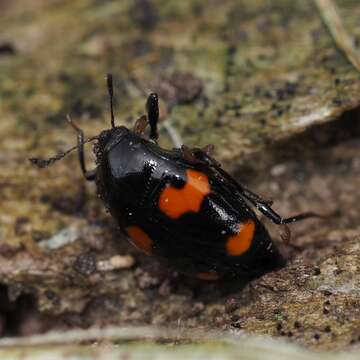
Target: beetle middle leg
{"points": [[89, 175]]}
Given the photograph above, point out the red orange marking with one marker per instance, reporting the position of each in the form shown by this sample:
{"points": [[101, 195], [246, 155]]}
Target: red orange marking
{"points": [[239, 243], [176, 202], [208, 275], [140, 239]]}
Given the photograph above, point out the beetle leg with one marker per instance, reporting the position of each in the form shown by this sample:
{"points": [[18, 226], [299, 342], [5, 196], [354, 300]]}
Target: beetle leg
{"points": [[188, 154], [255, 197], [263, 205], [152, 108], [203, 155], [140, 125], [248, 194], [302, 216], [89, 175], [275, 217], [208, 149], [198, 156]]}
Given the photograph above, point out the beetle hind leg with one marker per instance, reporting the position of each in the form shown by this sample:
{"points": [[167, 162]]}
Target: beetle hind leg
{"points": [[264, 207], [302, 216]]}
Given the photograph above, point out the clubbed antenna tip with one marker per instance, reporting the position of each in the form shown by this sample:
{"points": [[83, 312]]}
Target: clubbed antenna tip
{"points": [[109, 81], [152, 107]]}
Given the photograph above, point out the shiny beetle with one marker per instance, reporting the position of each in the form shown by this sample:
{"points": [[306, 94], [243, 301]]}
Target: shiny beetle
{"points": [[179, 205]]}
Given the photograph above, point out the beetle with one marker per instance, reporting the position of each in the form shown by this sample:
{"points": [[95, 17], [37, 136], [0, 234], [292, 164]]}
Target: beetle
{"points": [[179, 205]]}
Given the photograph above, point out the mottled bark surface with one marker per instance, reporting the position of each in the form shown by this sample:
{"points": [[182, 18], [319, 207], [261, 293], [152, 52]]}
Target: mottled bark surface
{"points": [[259, 79]]}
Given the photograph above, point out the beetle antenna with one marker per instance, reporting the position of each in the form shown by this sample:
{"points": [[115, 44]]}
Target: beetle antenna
{"points": [[109, 82], [152, 108], [43, 163]]}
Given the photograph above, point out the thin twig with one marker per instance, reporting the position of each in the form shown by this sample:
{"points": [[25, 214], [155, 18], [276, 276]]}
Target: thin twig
{"points": [[119, 333], [173, 134], [329, 12]]}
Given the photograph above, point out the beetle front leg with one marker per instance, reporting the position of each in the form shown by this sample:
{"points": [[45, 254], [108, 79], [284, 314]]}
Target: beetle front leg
{"points": [[89, 175]]}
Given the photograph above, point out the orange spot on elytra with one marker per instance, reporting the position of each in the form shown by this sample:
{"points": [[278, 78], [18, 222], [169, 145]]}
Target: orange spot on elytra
{"points": [[140, 239], [176, 202], [239, 243], [209, 275]]}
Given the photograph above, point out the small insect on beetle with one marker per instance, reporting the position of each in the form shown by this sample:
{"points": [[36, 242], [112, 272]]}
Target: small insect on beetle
{"points": [[179, 205]]}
